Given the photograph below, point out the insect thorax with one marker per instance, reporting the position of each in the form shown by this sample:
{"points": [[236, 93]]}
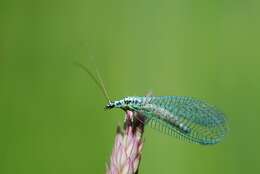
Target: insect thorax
{"points": [[127, 103]]}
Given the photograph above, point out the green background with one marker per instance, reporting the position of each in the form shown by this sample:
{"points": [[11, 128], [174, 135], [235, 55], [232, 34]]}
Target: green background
{"points": [[51, 114]]}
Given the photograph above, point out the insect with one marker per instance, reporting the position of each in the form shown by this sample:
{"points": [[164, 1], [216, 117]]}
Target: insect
{"points": [[187, 118]]}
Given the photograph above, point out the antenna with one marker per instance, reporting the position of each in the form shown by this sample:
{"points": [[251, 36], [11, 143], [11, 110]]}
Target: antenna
{"points": [[99, 82]]}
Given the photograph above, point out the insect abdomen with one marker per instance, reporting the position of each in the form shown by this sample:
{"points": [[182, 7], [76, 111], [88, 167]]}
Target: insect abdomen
{"points": [[188, 118], [166, 116]]}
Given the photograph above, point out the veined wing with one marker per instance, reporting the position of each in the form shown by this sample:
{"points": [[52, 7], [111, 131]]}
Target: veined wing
{"points": [[187, 118]]}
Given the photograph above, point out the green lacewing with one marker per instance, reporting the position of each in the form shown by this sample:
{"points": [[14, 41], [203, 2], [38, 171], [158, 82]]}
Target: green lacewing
{"points": [[186, 118]]}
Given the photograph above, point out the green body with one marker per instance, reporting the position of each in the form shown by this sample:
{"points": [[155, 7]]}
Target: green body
{"points": [[187, 118]]}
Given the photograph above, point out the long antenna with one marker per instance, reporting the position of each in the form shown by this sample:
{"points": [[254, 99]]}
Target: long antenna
{"points": [[99, 83], [102, 84]]}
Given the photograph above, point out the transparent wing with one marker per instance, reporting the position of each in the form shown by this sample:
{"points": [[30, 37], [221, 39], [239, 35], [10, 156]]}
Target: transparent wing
{"points": [[203, 122]]}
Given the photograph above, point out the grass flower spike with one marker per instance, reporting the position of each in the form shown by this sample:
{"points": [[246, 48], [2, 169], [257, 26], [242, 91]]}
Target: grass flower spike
{"points": [[126, 154]]}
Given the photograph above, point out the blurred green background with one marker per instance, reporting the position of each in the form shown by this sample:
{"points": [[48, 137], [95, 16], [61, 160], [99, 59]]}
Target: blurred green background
{"points": [[51, 114]]}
